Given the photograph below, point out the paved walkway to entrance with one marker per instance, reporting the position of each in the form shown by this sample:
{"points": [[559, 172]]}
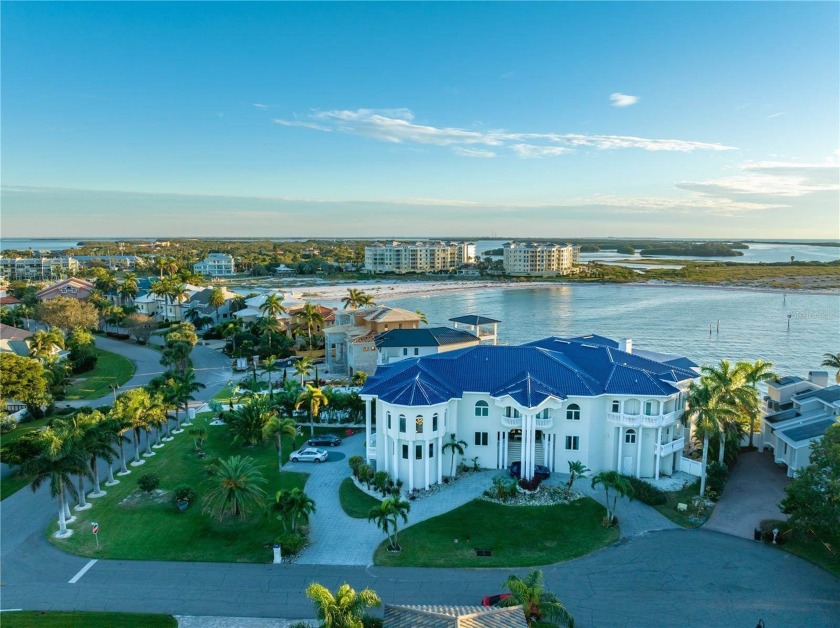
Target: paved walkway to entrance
{"points": [[752, 493]]}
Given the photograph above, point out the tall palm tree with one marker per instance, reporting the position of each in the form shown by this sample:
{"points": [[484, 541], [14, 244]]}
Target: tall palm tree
{"points": [[386, 515], [754, 374], [93, 433], [708, 411], [454, 446], [186, 385], [280, 428], [352, 299], [345, 609], [132, 407], [273, 306], [314, 398], [536, 602], [128, 288], [727, 383], [269, 326], [160, 289], [269, 366], [43, 344], [178, 294], [234, 488], [832, 360], [216, 300], [621, 487], [310, 317], [160, 264], [57, 461], [366, 299], [302, 368], [115, 428]]}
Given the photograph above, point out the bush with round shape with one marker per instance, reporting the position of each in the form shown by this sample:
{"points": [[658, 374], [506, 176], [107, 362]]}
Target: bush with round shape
{"points": [[148, 482]]}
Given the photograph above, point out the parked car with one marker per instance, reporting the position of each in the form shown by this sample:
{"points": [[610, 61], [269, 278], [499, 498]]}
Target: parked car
{"points": [[492, 600], [539, 471], [325, 440], [309, 454]]}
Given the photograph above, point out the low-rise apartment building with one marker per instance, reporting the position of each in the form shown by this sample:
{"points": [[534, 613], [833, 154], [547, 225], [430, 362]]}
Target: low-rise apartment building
{"points": [[37, 268], [541, 259], [216, 265], [418, 257]]}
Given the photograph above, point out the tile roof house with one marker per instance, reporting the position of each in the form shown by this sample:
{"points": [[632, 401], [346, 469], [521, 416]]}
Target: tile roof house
{"points": [[429, 616], [14, 340], [547, 402], [72, 287]]}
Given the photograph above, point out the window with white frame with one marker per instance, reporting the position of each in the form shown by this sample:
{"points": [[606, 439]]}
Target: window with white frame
{"points": [[388, 418], [630, 437], [573, 443], [402, 423], [418, 424], [481, 439], [573, 412], [405, 452], [434, 422], [511, 412], [616, 405], [482, 409], [418, 452]]}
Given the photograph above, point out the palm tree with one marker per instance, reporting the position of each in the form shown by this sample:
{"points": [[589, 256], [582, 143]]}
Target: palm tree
{"points": [[729, 386], [536, 602], [302, 368], [293, 507], [310, 316], [233, 488], [273, 306], [832, 360], [612, 480], [754, 374], [185, 386], [365, 299], [352, 299], [252, 423], [132, 408], [95, 439], [345, 609], [422, 315], [199, 434], [160, 289], [386, 515], [576, 470], [115, 429], [128, 288], [314, 398], [178, 294], [269, 366], [269, 326], [456, 447], [57, 461], [359, 378], [709, 412], [280, 428], [43, 343], [216, 300], [160, 264]]}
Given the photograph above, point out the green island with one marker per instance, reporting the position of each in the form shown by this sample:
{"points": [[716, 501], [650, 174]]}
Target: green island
{"points": [[110, 369]]}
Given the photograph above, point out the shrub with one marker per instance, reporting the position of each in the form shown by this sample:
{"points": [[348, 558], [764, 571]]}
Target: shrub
{"points": [[372, 622], [366, 473], [148, 482], [184, 493], [380, 481], [7, 424], [356, 463], [83, 360], [646, 492], [716, 476], [291, 543], [530, 485]]}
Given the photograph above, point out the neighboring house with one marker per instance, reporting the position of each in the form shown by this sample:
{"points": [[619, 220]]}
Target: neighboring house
{"points": [[429, 616], [797, 413], [14, 340], [112, 261], [216, 265], [200, 301], [398, 344], [548, 402], [350, 343], [165, 309], [487, 329], [9, 302], [540, 259], [282, 269], [417, 257], [37, 268], [252, 310], [74, 288]]}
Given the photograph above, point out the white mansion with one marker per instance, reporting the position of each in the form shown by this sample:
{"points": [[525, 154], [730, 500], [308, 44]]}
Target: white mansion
{"points": [[544, 403]]}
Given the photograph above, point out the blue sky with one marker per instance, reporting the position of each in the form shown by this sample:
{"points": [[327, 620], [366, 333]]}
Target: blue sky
{"points": [[284, 119]]}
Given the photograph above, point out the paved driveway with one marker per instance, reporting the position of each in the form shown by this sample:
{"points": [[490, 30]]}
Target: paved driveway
{"points": [[752, 493]]}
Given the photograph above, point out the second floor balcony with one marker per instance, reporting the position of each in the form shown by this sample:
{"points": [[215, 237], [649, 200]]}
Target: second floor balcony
{"points": [[642, 420]]}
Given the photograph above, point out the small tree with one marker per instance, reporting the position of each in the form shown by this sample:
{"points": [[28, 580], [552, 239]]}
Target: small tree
{"points": [[234, 487], [612, 480], [380, 481], [148, 482], [387, 515], [456, 447], [366, 473], [345, 609], [199, 434], [576, 470], [536, 602], [356, 463]]}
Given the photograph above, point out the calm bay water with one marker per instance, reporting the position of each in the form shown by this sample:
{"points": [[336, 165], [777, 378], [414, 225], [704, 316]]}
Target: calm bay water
{"points": [[670, 319]]}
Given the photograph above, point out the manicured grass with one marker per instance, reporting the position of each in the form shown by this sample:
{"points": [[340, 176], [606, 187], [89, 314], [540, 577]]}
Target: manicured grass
{"points": [[54, 619], [521, 536], [12, 483], [809, 549], [355, 502], [682, 496], [110, 368], [152, 530]]}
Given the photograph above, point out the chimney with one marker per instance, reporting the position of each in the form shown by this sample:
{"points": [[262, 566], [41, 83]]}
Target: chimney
{"points": [[820, 378], [626, 345]]}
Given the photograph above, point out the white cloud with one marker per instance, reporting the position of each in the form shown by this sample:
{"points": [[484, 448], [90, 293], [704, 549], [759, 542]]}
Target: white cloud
{"points": [[776, 115], [772, 179], [398, 126], [623, 100], [261, 106]]}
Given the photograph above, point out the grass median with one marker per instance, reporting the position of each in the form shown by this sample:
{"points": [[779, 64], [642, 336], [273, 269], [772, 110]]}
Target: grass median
{"points": [[110, 369], [517, 536], [355, 502], [75, 619]]}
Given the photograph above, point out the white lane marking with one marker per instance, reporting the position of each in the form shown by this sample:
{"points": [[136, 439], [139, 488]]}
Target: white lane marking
{"points": [[82, 572]]}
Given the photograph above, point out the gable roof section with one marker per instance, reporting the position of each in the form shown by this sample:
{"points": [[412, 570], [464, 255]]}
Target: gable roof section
{"points": [[428, 337], [7, 332], [528, 373], [437, 616], [76, 282]]}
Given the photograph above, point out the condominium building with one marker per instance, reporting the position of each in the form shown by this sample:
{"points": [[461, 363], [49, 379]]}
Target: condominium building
{"points": [[216, 265], [540, 258], [37, 268], [418, 257]]}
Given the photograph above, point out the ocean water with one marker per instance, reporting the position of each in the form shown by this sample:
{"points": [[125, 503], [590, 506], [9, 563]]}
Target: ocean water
{"points": [[670, 319]]}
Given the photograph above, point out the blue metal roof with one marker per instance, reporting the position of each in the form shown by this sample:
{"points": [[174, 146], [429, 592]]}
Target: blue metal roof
{"points": [[428, 337], [474, 319], [530, 373]]}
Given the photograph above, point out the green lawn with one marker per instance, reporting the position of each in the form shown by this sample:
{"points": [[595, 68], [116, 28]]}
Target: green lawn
{"points": [[158, 531], [683, 496], [354, 501], [110, 368], [809, 549], [54, 619], [519, 536]]}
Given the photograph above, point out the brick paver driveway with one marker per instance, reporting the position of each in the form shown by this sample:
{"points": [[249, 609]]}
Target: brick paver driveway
{"points": [[753, 493]]}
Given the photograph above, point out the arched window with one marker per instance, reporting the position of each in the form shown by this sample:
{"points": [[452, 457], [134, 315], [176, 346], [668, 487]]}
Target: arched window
{"points": [[402, 423], [616, 405], [434, 422], [511, 412], [418, 424], [632, 407], [388, 418], [482, 409], [630, 437], [573, 412]]}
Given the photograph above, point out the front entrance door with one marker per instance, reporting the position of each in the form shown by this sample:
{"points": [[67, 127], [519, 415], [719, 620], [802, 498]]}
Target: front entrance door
{"points": [[627, 465]]}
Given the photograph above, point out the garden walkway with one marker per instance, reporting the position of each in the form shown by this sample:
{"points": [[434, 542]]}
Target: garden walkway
{"points": [[338, 539]]}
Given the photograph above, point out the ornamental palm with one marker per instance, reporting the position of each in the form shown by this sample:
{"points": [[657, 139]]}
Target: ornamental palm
{"points": [[422, 315], [178, 294], [352, 299], [128, 288], [278, 429], [576, 470], [366, 299], [273, 306], [216, 300], [754, 374], [708, 411], [95, 439], [727, 384], [234, 488], [293, 507], [310, 316], [832, 360], [184, 388], [302, 368], [386, 515], [456, 447], [345, 609], [269, 326], [43, 343], [314, 398], [252, 423], [612, 480], [536, 602], [131, 408]]}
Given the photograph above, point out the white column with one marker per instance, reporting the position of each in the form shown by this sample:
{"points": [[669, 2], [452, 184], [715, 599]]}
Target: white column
{"points": [[426, 462], [411, 462], [383, 451], [439, 459], [549, 451], [620, 446], [523, 463], [505, 449], [656, 452], [367, 429], [396, 471], [639, 453]]}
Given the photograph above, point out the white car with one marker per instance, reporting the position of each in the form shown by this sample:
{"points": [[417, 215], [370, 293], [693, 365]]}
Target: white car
{"points": [[309, 454]]}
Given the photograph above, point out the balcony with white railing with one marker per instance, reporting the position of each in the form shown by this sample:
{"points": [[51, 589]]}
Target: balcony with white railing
{"points": [[624, 420], [509, 421], [671, 447], [544, 424], [642, 420]]}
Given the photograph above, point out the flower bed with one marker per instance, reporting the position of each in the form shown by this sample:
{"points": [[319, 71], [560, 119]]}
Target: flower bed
{"points": [[543, 496]]}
